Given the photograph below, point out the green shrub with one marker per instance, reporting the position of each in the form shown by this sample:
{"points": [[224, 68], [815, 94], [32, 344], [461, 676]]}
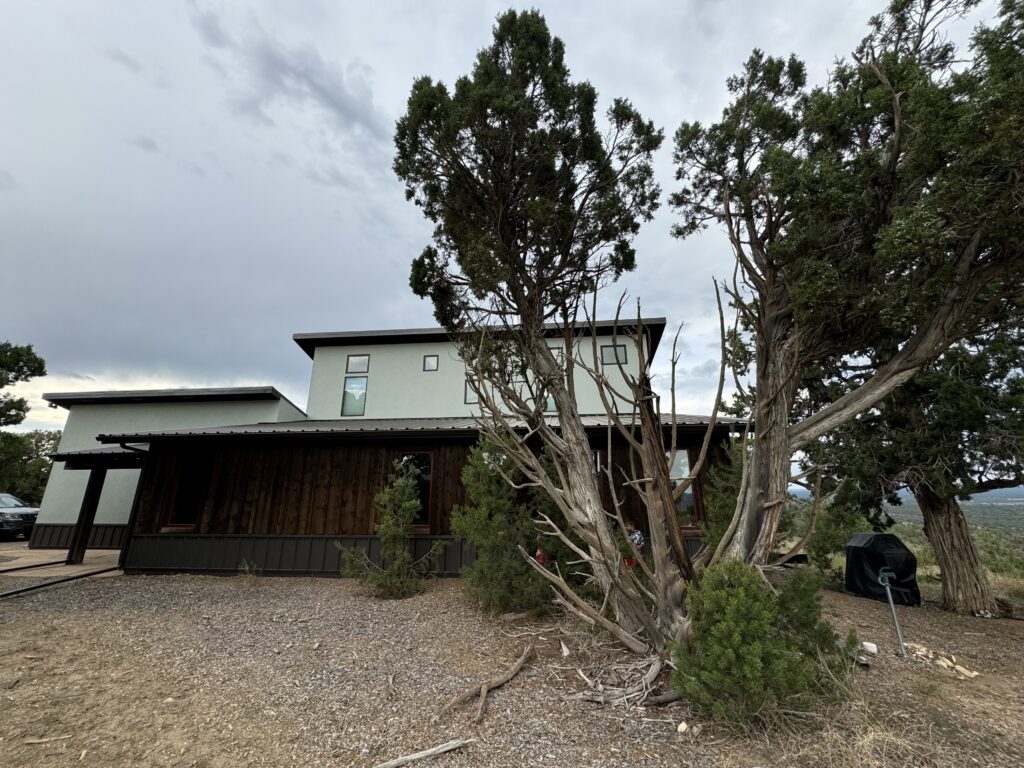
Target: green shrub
{"points": [[497, 522], [752, 651], [395, 508], [833, 527], [720, 493]]}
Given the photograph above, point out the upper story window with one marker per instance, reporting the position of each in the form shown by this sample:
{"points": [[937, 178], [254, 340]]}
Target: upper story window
{"points": [[430, 362], [612, 354], [471, 397], [358, 364], [353, 401]]}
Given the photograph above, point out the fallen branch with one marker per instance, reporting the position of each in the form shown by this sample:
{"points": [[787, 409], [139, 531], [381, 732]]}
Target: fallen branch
{"points": [[484, 688], [611, 695], [438, 750], [47, 741], [661, 699]]}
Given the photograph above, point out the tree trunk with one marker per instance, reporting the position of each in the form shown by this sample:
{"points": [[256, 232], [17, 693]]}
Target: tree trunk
{"points": [[769, 463], [965, 587]]}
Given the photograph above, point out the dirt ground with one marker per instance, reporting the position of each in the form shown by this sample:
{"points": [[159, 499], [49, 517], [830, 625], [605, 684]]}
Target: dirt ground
{"points": [[248, 671]]}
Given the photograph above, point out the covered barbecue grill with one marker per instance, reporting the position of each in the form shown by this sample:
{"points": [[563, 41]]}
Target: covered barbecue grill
{"points": [[867, 554]]}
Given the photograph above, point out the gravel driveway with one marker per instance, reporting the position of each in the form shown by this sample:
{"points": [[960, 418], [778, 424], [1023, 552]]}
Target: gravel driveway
{"points": [[229, 671]]}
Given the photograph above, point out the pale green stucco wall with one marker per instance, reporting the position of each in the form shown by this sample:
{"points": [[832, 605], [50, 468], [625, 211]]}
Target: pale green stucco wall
{"points": [[63, 496], [398, 387]]}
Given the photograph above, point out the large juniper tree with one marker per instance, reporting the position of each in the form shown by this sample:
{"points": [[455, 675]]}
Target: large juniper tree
{"points": [[877, 216], [535, 204], [957, 428]]}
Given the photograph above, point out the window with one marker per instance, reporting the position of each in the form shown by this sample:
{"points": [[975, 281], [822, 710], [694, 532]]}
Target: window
{"points": [[353, 402], [424, 463], [358, 364], [430, 362], [189, 495], [680, 471], [612, 354], [471, 397]]}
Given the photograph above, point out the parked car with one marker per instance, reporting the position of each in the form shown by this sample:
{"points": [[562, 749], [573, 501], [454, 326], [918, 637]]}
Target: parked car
{"points": [[16, 517]]}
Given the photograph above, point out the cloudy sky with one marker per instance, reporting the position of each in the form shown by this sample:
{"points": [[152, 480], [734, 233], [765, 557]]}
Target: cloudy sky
{"points": [[183, 185]]}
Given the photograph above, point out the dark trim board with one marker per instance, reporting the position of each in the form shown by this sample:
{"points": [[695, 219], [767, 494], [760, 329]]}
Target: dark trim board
{"points": [[58, 536], [280, 555]]}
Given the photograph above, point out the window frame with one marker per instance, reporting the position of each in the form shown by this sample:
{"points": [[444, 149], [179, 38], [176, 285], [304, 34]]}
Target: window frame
{"points": [[467, 393], [348, 364], [615, 359], [428, 526], [437, 363], [344, 391]]}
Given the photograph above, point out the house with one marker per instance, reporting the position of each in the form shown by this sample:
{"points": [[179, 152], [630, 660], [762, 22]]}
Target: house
{"points": [[212, 491]]}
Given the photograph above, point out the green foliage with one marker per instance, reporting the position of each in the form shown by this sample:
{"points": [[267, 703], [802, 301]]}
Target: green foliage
{"points": [[395, 507], [754, 652], [497, 522], [16, 364], [534, 204], [834, 526], [25, 463], [721, 490]]}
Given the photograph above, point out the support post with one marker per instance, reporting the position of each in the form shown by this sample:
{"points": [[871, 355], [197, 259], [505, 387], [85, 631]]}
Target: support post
{"points": [[86, 515]]}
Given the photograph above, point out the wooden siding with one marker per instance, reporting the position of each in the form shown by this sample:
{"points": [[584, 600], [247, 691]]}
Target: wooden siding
{"points": [[281, 555], [58, 536], [288, 487]]}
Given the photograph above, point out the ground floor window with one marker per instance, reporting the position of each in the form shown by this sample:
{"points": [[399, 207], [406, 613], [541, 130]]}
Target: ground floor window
{"points": [[423, 462], [685, 506]]}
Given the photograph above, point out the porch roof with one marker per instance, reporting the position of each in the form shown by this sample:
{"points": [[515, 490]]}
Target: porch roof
{"points": [[451, 426]]}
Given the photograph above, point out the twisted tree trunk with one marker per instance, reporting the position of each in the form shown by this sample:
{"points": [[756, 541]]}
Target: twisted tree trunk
{"points": [[965, 587]]}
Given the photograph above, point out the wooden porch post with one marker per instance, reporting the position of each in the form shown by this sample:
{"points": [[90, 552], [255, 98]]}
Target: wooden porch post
{"points": [[86, 515]]}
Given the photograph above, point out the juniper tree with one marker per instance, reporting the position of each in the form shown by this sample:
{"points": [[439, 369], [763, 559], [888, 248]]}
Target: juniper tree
{"points": [[535, 204], [878, 215]]}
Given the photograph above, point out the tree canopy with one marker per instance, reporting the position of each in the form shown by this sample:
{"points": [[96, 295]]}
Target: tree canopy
{"points": [[17, 363]]}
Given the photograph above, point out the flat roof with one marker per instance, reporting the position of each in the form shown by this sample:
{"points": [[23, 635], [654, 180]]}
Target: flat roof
{"points": [[211, 394], [310, 341], [451, 425]]}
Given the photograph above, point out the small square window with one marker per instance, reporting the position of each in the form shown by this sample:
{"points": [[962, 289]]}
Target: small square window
{"points": [[612, 354], [358, 364], [430, 362], [471, 396], [353, 402]]}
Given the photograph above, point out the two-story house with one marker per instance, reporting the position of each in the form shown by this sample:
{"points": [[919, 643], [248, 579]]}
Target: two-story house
{"points": [[277, 493]]}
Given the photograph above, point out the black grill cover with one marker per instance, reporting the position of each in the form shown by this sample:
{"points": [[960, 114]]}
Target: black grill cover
{"points": [[867, 554]]}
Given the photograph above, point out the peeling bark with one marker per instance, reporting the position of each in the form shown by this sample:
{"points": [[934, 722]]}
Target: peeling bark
{"points": [[965, 587]]}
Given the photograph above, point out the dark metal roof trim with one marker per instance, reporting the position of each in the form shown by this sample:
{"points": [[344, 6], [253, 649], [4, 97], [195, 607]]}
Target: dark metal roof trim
{"points": [[454, 425], [310, 341], [212, 394]]}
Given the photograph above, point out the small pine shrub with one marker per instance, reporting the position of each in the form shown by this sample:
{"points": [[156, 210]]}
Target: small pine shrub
{"points": [[752, 651], [497, 523], [395, 507]]}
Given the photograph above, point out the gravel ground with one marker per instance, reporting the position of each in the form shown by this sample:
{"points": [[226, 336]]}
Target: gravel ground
{"points": [[208, 671], [245, 671]]}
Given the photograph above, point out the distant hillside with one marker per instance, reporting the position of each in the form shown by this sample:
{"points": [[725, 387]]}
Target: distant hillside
{"points": [[1001, 510]]}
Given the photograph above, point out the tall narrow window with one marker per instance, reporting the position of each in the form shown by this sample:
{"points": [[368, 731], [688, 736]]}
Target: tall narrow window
{"points": [[424, 464], [357, 364], [679, 472], [430, 362], [612, 354], [471, 396], [353, 402]]}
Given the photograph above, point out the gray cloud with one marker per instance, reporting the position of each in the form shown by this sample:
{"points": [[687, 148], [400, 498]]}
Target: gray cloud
{"points": [[294, 77], [7, 181], [145, 143], [120, 57]]}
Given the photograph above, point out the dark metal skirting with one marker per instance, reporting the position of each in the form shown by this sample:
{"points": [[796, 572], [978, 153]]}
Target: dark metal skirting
{"points": [[313, 555], [51, 536]]}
